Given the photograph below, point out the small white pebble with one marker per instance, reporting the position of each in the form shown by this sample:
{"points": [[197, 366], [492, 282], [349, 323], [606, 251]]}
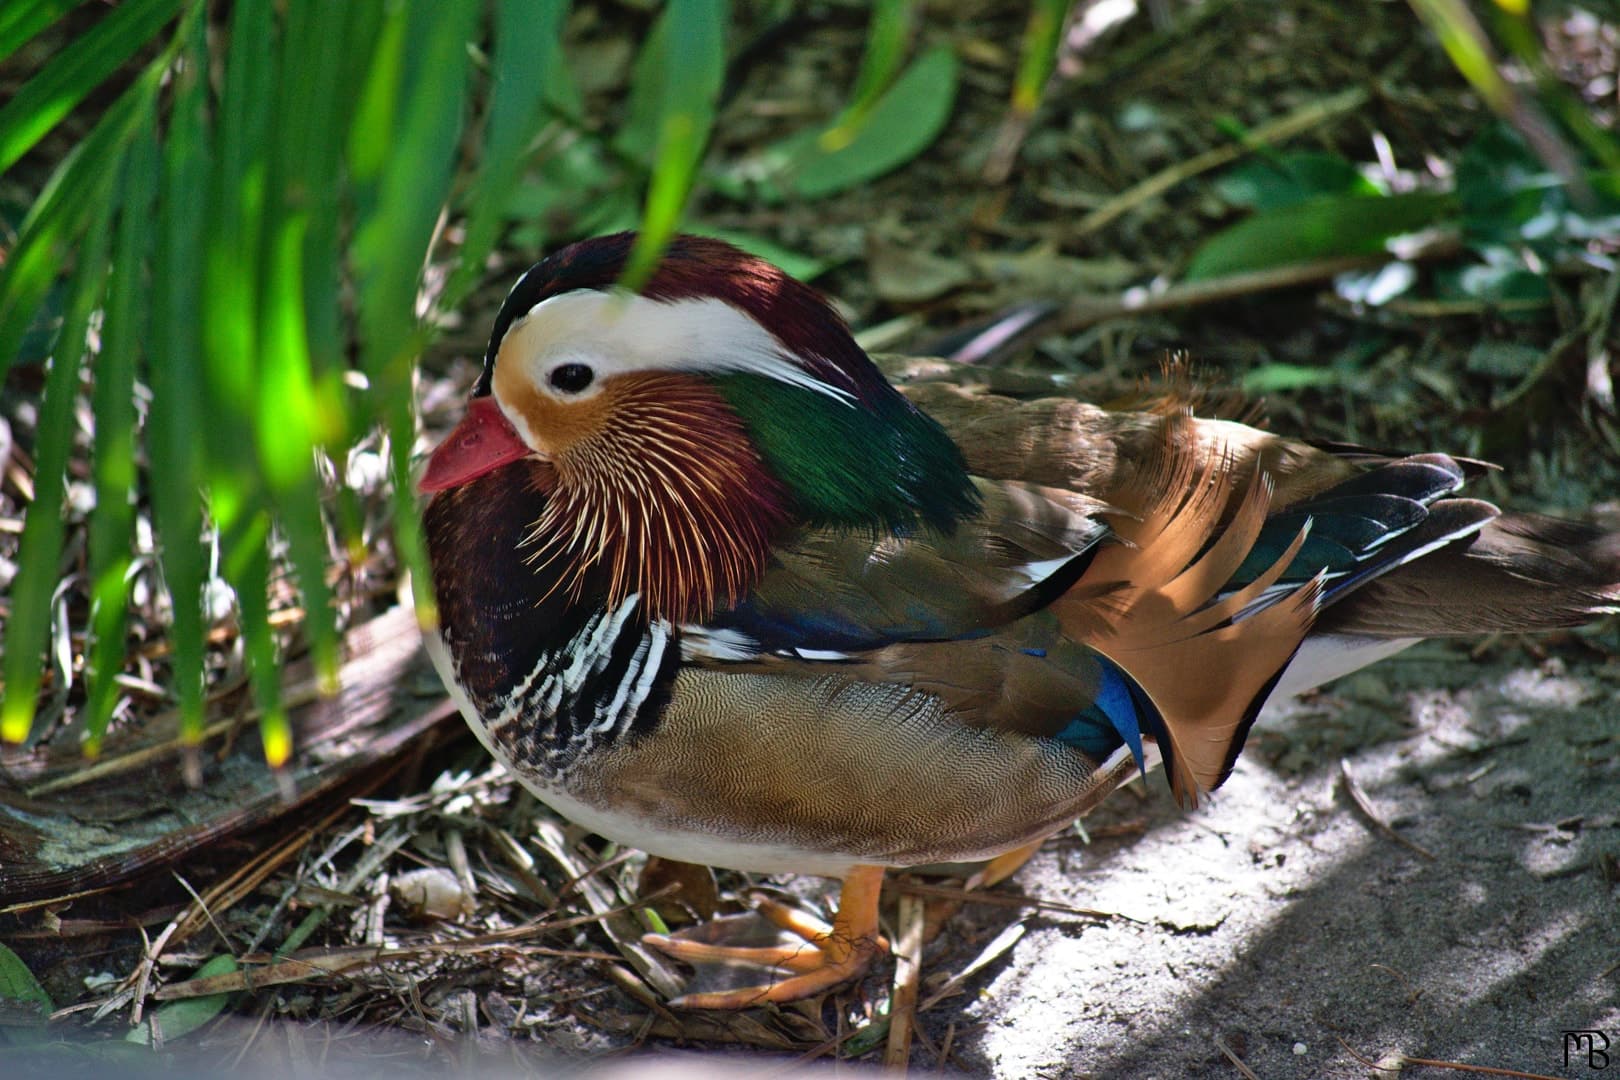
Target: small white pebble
{"points": [[1300, 1049]]}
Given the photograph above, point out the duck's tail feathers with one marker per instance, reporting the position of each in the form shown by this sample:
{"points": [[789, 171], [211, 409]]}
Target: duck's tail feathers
{"points": [[1519, 572]]}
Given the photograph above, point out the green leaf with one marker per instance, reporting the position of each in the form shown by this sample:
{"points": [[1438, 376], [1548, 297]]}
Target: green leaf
{"points": [[1280, 378], [17, 983], [901, 125], [886, 38], [1275, 181], [1318, 229], [528, 72], [177, 1019], [60, 214], [40, 550], [695, 35], [123, 328], [176, 428], [402, 148], [1039, 53], [78, 69], [637, 137], [20, 20]]}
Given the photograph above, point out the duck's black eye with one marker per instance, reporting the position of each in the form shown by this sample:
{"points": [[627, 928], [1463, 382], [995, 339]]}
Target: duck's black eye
{"points": [[571, 378]]}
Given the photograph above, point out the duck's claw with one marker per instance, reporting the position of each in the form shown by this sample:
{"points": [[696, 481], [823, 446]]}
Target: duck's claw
{"points": [[816, 958]]}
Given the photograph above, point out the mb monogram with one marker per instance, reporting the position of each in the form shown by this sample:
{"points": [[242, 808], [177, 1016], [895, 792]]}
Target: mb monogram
{"points": [[1589, 1047]]}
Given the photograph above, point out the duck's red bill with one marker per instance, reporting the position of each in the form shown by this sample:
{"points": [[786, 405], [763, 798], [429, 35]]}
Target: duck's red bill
{"points": [[484, 440]]}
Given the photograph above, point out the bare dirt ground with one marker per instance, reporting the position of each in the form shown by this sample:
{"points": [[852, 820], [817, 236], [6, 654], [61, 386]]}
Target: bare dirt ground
{"points": [[1279, 920]]}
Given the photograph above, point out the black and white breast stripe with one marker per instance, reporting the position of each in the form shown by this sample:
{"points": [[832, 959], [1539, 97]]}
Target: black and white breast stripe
{"points": [[608, 680]]}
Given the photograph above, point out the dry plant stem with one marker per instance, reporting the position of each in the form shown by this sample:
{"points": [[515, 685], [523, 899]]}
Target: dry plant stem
{"points": [[1237, 1062], [1088, 310], [621, 928], [1302, 119], [998, 945], [1358, 797], [907, 976], [317, 963], [219, 898]]}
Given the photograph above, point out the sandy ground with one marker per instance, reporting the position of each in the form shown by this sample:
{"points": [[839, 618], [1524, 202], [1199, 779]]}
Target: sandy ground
{"points": [[1277, 918]]}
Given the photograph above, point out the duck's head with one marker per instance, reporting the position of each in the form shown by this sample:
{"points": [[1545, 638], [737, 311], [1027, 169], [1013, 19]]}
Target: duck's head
{"points": [[671, 436]]}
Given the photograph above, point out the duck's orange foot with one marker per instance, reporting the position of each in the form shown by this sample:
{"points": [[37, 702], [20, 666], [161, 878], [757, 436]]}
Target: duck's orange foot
{"points": [[818, 958]]}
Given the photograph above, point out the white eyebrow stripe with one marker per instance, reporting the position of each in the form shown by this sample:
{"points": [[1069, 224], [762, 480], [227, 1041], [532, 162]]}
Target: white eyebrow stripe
{"points": [[617, 332]]}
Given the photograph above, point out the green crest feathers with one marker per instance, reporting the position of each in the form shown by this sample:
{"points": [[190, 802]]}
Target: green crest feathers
{"points": [[878, 462]]}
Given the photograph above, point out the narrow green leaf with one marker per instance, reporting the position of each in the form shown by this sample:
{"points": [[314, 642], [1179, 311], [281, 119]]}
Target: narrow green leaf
{"points": [[325, 47], [239, 201], [287, 421], [246, 565], [637, 137], [1318, 229], [20, 20], [178, 423], [80, 68], [371, 135], [404, 191], [177, 1019], [412, 182], [528, 58], [1464, 41], [1280, 378], [903, 123], [887, 36], [77, 187], [1039, 53], [40, 550], [695, 35], [123, 328]]}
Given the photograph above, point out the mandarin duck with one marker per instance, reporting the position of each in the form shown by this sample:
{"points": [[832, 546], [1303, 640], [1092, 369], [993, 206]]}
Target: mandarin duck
{"points": [[712, 587]]}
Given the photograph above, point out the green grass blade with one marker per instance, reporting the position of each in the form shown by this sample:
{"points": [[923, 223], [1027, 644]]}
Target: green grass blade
{"points": [[49, 96], [246, 565], [60, 213], [20, 20], [637, 137], [234, 236], [887, 37], [41, 547], [693, 71], [178, 421], [525, 75], [1464, 41], [416, 90], [1039, 54], [123, 328]]}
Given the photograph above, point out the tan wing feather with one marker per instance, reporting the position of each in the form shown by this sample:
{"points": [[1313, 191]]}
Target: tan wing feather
{"points": [[1204, 672]]}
